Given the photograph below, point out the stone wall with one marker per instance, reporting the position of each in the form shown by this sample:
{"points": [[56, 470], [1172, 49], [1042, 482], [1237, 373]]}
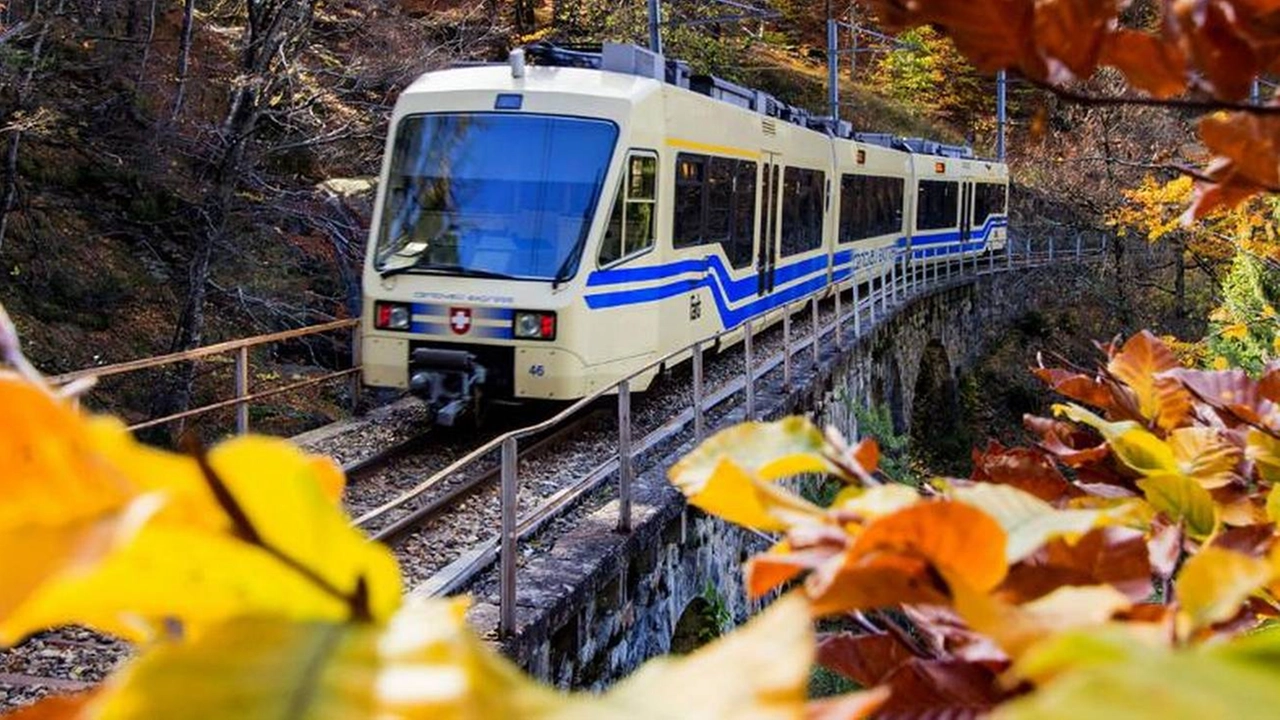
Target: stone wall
{"points": [[599, 603]]}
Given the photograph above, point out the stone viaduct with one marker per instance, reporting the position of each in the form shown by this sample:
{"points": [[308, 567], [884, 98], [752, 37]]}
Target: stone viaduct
{"points": [[599, 603]]}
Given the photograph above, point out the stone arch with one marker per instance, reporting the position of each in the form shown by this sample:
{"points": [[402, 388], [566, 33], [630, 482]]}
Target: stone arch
{"points": [[937, 432], [886, 390], [696, 627]]}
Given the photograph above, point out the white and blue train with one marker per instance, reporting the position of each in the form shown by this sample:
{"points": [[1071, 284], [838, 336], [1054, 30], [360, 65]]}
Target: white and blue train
{"points": [[542, 231]]}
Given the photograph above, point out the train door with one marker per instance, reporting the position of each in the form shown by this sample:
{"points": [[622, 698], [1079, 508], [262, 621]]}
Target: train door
{"points": [[770, 193], [966, 214]]}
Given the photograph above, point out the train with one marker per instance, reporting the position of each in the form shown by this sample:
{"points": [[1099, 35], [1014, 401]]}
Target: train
{"points": [[547, 226]]}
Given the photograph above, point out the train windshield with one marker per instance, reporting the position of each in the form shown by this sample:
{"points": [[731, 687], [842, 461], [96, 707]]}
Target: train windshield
{"points": [[492, 195]]}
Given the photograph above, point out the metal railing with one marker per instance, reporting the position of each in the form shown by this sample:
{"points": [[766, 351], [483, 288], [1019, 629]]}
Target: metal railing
{"points": [[905, 281], [243, 396]]}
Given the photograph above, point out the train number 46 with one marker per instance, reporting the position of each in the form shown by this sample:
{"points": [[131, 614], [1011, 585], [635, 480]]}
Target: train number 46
{"points": [[695, 307]]}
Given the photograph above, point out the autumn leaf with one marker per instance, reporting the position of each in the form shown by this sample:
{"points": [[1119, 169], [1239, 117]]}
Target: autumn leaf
{"points": [[1015, 628], [1148, 62], [1113, 556], [1205, 455], [1215, 582], [1027, 521], [734, 495], [864, 659], [873, 502], [426, 664], [1025, 469], [1139, 365], [766, 451], [1116, 674], [1182, 499]]}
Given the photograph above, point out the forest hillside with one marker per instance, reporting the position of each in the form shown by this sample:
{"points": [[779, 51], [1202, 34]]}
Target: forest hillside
{"points": [[180, 172]]}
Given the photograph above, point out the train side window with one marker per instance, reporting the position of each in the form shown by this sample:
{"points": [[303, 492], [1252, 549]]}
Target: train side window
{"points": [[741, 232], [631, 223], [803, 198], [939, 203], [688, 222], [870, 206]]}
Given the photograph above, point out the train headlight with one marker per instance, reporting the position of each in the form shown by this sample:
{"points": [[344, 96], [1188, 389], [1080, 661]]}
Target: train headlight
{"points": [[534, 325], [391, 316]]}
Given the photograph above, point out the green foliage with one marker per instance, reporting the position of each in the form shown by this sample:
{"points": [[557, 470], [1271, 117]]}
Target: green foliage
{"points": [[895, 448], [1243, 329], [930, 75]]}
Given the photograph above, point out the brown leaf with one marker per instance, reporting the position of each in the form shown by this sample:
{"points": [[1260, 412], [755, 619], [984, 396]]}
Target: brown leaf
{"points": [[1164, 547], [1089, 390], [1113, 555], [1213, 38], [950, 636], [1148, 62], [864, 659], [1074, 447], [1252, 540], [1026, 469], [56, 707], [1069, 35], [1238, 397], [951, 689]]}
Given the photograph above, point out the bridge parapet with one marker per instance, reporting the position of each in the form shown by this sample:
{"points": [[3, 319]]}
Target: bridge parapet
{"points": [[599, 601]]}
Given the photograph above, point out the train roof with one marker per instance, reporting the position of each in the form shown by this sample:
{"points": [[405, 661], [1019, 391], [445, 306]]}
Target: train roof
{"points": [[634, 60]]}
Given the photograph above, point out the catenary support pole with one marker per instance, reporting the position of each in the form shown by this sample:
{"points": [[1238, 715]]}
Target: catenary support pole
{"points": [[655, 26]]}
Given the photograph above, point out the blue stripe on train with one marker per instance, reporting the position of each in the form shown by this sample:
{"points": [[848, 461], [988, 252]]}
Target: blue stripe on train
{"points": [[726, 290]]}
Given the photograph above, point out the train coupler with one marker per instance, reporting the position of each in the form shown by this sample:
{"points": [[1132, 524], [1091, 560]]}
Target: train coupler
{"points": [[449, 380]]}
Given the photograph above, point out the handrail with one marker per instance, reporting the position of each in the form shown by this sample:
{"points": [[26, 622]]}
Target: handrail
{"points": [[241, 347], [200, 352]]}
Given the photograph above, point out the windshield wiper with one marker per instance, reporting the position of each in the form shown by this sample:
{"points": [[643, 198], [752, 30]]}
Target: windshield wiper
{"points": [[448, 269]]}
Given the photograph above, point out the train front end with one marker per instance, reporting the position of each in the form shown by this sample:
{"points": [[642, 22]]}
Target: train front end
{"points": [[493, 181]]}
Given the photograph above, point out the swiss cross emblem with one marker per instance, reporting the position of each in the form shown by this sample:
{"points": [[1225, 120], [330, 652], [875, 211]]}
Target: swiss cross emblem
{"points": [[460, 320]]}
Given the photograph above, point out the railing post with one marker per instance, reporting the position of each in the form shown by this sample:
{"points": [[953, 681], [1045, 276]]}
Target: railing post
{"points": [[1077, 247], [786, 347], [1008, 253], [840, 314], [1050, 248], [699, 432], [750, 373], [242, 389], [355, 382], [894, 284], [817, 329], [507, 554], [624, 456], [991, 259], [857, 310]]}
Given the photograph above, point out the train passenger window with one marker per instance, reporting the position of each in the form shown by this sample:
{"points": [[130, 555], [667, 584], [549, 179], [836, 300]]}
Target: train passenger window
{"points": [[715, 205], [938, 202], [690, 189], [631, 224], [870, 206], [803, 198], [989, 199]]}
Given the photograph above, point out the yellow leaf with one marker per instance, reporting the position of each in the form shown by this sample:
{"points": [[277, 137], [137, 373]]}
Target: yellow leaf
{"points": [[1215, 582], [1238, 331], [1181, 499], [1273, 504], [1119, 679], [1203, 454], [767, 451], [1015, 628], [1028, 521], [873, 502], [1220, 363], [426, 664], [732, 494], [1139, 364], [307, 563], [1140, 450]]}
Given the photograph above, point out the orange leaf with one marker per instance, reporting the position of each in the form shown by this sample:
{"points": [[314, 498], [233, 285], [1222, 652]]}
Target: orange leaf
{"points": [[1206, 456], [1149, 63], [1138, 364], [1070, 33], [960, 541]]}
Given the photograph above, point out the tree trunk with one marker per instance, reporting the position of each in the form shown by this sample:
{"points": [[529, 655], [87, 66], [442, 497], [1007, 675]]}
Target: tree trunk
{"points": [[525, 20], [9, 192], [184, 55], [146, 43]]}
